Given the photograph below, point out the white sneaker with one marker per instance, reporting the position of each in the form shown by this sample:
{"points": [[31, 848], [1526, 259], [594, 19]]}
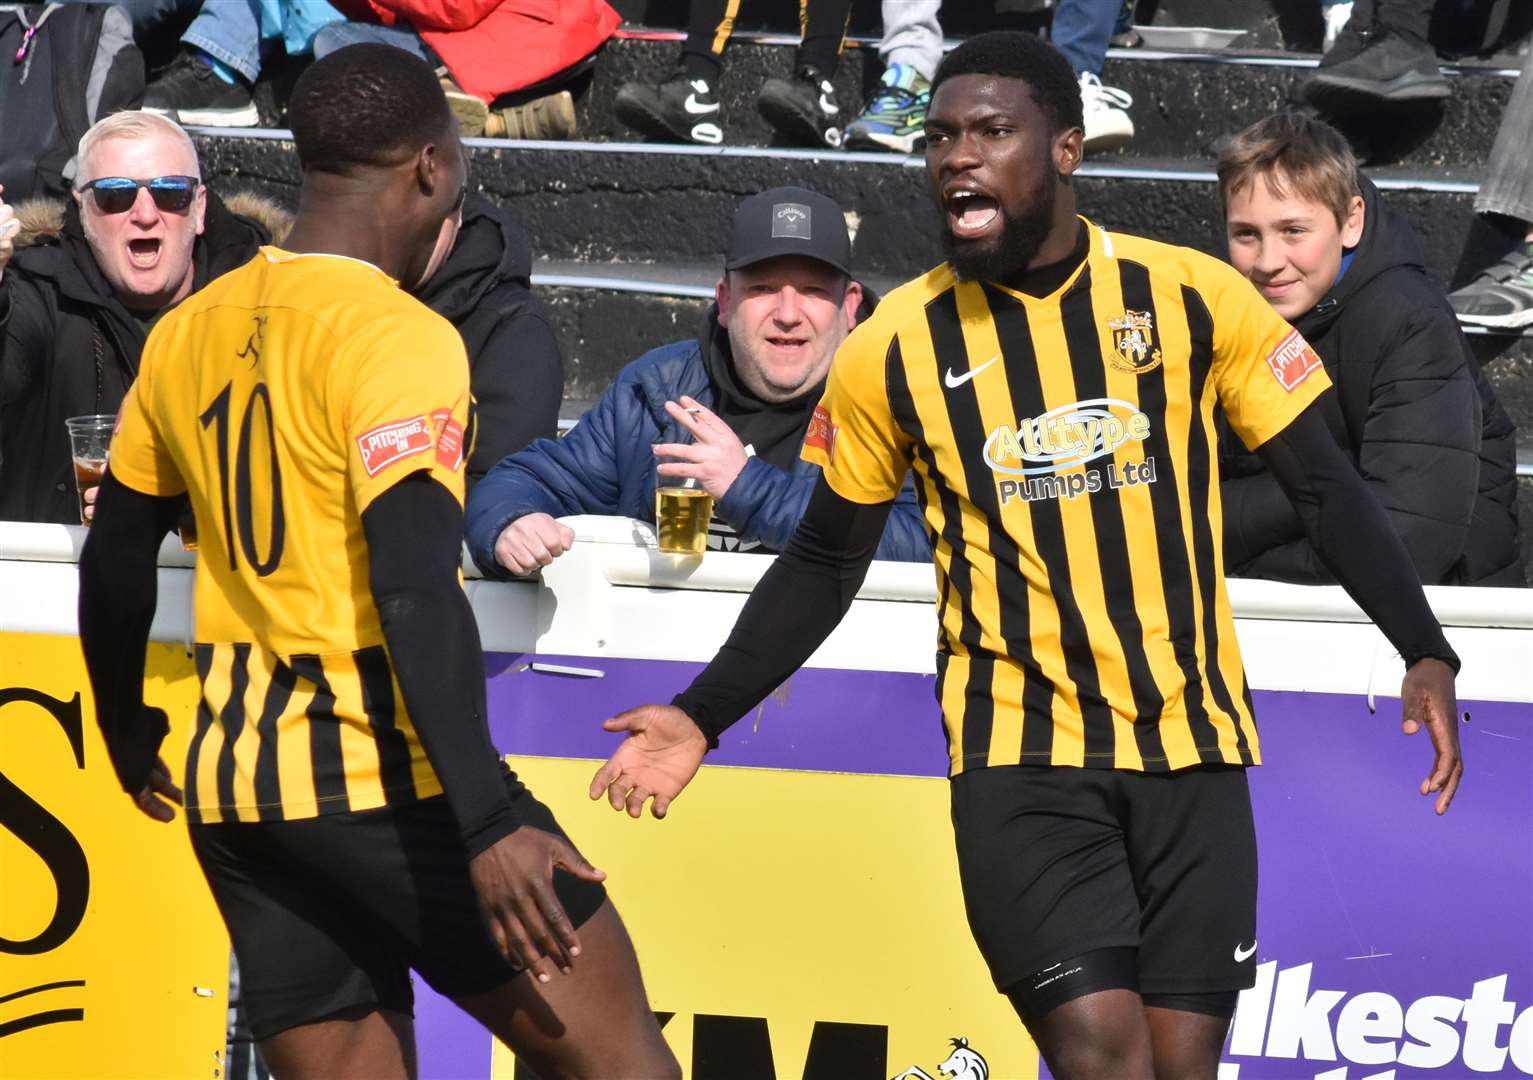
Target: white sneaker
{"points": [[1336, 17], [1108, 125]]}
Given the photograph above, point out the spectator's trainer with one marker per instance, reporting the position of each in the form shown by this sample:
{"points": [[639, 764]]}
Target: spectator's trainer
{"points": [[344, 799], [1053, 386]]}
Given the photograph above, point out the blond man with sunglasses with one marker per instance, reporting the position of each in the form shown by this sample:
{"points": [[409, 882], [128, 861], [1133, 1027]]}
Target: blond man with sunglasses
{"points": [[83, 281]]}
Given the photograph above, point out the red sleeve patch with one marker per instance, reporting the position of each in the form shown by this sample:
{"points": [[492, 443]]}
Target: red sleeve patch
{"points": [[1292, 361], [449, 443], [391, 442], [822, 433]]}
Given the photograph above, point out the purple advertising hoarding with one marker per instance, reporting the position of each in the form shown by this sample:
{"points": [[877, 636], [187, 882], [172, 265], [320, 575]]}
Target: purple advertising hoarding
{"points": [[1392, 943]]}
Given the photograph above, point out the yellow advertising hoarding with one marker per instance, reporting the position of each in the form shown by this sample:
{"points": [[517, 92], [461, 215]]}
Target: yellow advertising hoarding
{"points": [[113, 960]]}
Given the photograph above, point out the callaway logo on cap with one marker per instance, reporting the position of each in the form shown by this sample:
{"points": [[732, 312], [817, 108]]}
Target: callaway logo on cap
{"points": [[789, 221]]}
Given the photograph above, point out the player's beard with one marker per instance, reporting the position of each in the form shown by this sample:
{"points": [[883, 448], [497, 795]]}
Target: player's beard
{"points": [[1006, 257]]}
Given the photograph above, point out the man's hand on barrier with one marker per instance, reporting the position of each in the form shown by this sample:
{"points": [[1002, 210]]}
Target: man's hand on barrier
{"points": [[148, 798], [532, 541], [9, 227], [716, 456], [1427, 701], [514, 878], [660, 756]]}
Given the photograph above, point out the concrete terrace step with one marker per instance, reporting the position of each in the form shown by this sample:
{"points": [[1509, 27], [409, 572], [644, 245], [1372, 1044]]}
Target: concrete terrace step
{"points": [[1182, 101], [625, 202]]}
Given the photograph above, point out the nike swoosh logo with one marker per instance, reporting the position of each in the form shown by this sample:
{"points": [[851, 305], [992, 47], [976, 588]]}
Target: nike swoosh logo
{"points": [[1242, 955], [698, 108], [955, 381], [827, 106]]}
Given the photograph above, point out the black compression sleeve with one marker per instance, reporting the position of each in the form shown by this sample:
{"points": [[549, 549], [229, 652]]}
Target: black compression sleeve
{"points": [[794, 607], [1352, 536], [118, 587], [414, 531]]}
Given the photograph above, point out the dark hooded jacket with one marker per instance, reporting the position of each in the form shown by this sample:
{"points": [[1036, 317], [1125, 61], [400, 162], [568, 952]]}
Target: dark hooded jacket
{"points": [[1416, 416], [515, 370], [69, 348]]}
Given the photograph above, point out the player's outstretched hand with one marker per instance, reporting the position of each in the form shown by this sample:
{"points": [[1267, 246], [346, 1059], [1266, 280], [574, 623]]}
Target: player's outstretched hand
{"points": [[1427, 701], [531, 541], [514, 878], [148, 798], [660, 756]]}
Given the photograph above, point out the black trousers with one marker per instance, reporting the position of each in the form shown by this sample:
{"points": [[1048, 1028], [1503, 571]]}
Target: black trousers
{"points": [[822, 24]]}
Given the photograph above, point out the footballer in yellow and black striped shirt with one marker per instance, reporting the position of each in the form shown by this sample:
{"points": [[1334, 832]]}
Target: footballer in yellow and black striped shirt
{"points": [[348, 807], [1064, 447], [1053, 385], [285, 397]]}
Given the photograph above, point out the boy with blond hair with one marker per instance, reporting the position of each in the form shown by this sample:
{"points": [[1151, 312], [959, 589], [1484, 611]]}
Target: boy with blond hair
{"points": [[1413, 411]]}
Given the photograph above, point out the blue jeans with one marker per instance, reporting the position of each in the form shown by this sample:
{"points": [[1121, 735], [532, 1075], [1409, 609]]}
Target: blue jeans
{"points": [[1082, 29], [341, 34], [232, 31]]}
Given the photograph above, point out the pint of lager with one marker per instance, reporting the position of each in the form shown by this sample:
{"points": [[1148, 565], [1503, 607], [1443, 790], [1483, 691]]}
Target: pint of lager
{"points": [[682, 513]]}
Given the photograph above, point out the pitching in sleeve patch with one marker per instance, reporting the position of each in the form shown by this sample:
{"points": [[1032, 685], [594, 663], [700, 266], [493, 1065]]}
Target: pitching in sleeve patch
{"points": [[822, 432], [395, 441], [449, 444], [1292, 361]]}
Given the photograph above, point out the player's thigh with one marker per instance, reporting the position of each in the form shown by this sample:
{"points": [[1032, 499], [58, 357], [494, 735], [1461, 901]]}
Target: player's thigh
{"points": [[1043, 866], [1192, 846], [431, 906], [595, 1021], [306, 951], [364, 1043]]}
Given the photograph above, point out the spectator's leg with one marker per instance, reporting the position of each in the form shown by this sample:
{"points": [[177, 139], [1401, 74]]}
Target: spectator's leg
{"points": [[296, 22], [341, 34], [911, 48], [230, 32], [1081, 31], [1502, 296], [1394, 63], [708, 28], [911, 35], [1405, 16], [1508, 186], [822, 28], [803, 109], [209, 82], [685, 107]]}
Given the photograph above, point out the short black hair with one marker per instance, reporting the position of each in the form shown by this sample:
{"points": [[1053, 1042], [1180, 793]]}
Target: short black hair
{"points": [[366, 104], [1015, 54]]}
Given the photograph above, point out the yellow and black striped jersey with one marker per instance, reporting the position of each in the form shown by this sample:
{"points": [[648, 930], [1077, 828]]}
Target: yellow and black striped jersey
{"points": [[285, 397], [1064, 451]]}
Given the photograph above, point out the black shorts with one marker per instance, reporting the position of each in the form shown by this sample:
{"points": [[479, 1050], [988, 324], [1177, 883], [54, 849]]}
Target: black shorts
{"points": [[332, 912], [1056, 862]]}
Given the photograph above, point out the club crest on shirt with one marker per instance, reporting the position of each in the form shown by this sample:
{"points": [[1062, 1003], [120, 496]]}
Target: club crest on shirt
{"points": [[1134, 347]]}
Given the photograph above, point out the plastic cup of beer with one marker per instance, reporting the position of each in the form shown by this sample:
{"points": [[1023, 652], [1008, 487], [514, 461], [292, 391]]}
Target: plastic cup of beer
{"points": [[682, 512], [89, 438]]}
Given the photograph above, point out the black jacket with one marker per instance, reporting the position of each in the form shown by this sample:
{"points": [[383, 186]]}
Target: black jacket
{"points": [[516, 373], [68, 348], [1414, 412]]}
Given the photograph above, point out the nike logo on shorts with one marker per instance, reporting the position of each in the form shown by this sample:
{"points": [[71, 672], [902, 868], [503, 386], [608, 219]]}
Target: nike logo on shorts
{"points": [[955, 381], [1242, 955]]}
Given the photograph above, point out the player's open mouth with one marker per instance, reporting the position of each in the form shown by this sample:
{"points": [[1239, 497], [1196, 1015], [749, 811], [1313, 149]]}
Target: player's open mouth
{"points": [[144, 253], [787, 344], [971, 214]]}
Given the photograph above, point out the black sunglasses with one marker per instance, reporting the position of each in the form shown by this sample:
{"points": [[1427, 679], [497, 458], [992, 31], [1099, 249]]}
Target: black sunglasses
{"points": [[117, 194]]}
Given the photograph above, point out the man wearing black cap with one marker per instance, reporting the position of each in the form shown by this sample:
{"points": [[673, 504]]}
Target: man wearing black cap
{"points": [[729, 409]]}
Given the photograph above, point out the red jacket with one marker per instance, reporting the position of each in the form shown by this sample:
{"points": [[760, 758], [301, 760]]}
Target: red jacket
{"points": [[493, 47]]}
